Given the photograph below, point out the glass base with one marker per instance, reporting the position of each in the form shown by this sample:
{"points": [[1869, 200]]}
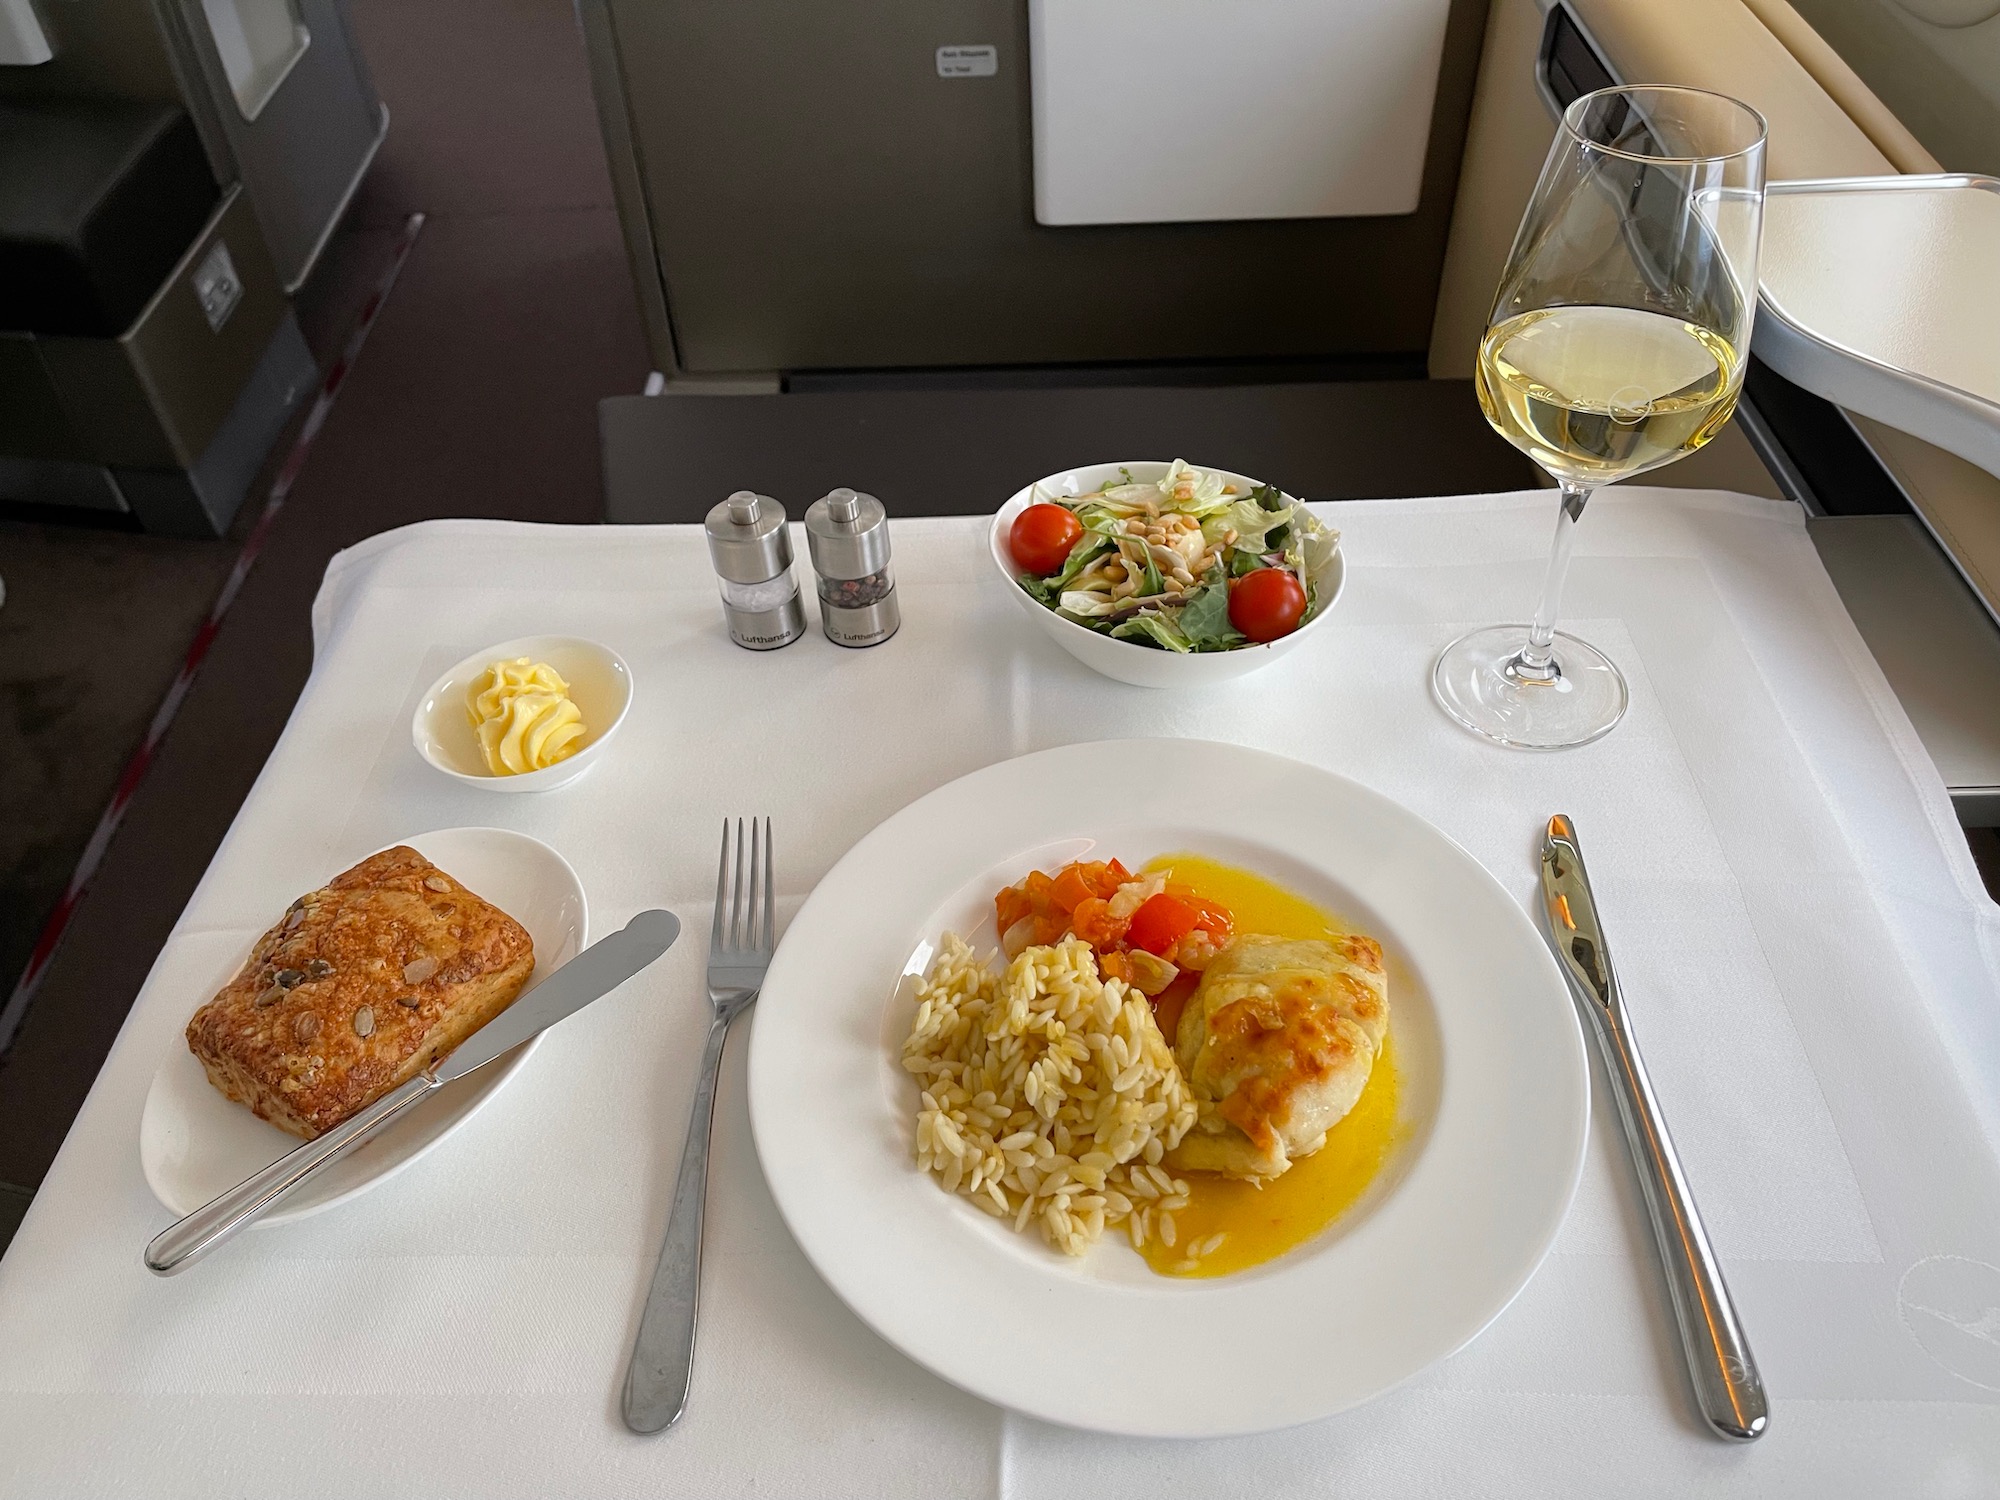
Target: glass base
{"points": [[1479, 681]]}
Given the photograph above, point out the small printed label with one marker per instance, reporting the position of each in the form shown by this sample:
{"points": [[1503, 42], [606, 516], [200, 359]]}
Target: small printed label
{"points": [[217, 286], [977, 61]]}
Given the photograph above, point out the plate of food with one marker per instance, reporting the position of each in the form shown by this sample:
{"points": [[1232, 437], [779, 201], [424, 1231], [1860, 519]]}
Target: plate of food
{"points": [[353, 988], [1168, 1088], [1166, 575]]}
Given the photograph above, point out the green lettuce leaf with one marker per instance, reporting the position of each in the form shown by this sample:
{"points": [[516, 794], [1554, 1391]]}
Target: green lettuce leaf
{"points": [[1047, 590], [1084, 607], [1321, 542], [1089, 547], [1251, 522], [1243, 560], [1206, 498], [1038, 589], [1156, 628], [1205, 617], [1129, 493]]}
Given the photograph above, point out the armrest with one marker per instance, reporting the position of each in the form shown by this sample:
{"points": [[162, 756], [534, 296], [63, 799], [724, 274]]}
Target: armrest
{"points": [[1878, 295]]}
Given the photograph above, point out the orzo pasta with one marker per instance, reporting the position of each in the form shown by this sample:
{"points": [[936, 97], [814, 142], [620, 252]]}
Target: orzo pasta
{"points": [[1049, 1094]]}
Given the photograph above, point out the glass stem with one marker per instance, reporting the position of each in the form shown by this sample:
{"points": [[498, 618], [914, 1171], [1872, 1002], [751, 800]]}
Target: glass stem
{"points": [[1537, 661]]}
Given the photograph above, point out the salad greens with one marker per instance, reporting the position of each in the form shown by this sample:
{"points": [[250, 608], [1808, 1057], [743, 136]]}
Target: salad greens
{"points": [[1155, 559]]}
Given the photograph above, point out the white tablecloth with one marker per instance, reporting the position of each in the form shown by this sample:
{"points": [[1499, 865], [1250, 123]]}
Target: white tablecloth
{"points": [[1809, 955]]}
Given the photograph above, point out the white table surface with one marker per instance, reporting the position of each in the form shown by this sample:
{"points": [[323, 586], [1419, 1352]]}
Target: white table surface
{"points": [[1813, 966]]}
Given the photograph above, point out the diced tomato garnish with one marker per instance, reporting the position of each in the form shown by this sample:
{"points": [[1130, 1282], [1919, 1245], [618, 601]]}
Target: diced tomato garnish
{"points": [[1010, 906], [1076, 899], [1210, 918], [1092, 921], [1072, 886], [1160, 923]]}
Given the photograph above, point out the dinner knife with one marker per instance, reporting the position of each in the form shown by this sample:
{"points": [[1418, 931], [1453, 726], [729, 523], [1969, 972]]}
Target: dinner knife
{"points": [[596, 971], [1726, 1384]]}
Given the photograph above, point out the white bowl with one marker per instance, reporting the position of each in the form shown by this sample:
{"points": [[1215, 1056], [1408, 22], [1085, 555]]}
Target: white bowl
{"points": [[600, 684], [1126, 661]]}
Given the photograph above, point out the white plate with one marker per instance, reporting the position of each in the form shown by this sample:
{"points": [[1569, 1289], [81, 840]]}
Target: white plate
{"points": [[600, 685], [1495, 1101], [194, 1143], [1127, 661]]}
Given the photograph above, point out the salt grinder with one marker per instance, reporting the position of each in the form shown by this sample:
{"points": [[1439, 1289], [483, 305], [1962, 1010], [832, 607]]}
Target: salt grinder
{"points": [[752, 554], [848, 535]]}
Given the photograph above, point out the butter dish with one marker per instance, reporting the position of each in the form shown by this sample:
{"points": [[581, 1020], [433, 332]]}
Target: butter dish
{"points": [[600, 685]]}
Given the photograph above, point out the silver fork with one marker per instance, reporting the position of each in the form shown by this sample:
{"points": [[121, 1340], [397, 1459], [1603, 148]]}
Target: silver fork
{"points": [[739, 951]]}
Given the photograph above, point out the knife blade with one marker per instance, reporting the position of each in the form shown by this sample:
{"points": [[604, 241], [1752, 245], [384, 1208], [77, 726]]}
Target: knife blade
{"points": [[1727, 1386], [595, 972]]}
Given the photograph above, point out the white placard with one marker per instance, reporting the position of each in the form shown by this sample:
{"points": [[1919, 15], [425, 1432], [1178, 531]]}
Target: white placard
{"points": [[981, 60], [1158, 111]]}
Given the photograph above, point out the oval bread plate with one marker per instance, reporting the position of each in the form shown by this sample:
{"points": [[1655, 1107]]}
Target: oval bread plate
{"points": [[195, 1144], [1494, 1096]]}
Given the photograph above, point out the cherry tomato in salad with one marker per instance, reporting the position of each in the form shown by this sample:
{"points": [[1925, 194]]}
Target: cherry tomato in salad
{"points": [[1042, 537], [1160, 923], [1267, 603]]}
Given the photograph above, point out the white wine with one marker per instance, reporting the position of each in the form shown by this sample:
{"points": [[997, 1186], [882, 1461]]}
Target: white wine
{"points": [[1594, 394]]}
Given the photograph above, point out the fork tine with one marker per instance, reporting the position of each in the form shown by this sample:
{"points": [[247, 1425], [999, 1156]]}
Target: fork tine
{"points": [[757, 863], [736, 899], [770, 903], [721, 890]]}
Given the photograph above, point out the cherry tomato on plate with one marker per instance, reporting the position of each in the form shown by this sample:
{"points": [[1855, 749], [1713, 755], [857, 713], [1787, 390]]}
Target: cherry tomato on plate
{"points": [[1042, 537], [1267, 603]]}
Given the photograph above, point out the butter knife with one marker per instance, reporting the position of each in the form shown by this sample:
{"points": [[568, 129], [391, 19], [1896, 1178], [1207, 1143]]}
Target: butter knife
{"points": [[596, 971], [1726, 1384]]}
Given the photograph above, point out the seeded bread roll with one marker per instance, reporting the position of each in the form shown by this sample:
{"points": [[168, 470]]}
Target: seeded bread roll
{"points": [[358, 988]]}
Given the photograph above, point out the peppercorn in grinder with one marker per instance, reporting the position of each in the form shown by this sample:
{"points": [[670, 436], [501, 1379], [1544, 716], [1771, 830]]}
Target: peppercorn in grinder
{"points": [[848, 536]]}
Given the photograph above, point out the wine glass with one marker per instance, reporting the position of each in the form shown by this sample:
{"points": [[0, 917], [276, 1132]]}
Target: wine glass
{"points": [[1616, 344]]}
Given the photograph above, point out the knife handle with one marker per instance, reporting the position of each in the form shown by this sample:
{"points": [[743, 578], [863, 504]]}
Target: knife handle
{"points": [[1727, 1386], [182, 1244]]}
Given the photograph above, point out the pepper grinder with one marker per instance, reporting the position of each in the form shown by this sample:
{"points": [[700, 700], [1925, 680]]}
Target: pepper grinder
{"points": [[848, 536], [752, 553]]}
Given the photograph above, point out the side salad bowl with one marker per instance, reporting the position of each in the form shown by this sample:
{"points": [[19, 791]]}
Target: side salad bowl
{"points": [[1147, 665]]}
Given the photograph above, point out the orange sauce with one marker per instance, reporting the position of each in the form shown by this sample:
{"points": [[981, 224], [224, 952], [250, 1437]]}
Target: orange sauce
{"points": [[1260, 1224]]}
